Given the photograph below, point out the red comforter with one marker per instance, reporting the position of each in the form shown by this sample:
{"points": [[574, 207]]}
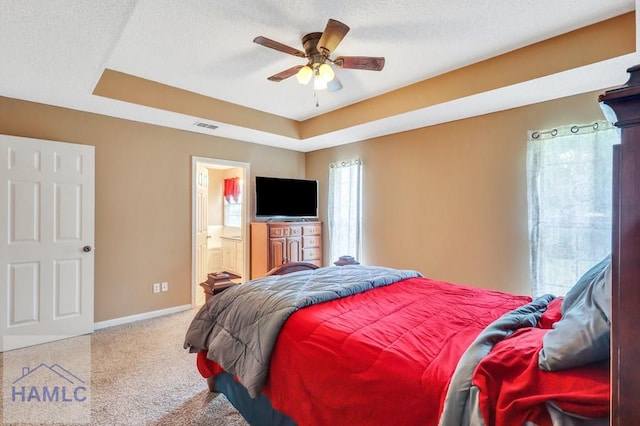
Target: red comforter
{"points": [[386, 355], [514, 390]]}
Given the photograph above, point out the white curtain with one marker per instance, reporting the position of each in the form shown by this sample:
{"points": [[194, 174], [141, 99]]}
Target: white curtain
{"points": [[569, 172], [345, 209]]}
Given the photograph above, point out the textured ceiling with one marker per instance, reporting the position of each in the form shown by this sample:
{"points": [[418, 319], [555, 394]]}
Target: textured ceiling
{"points": [[55, 51]]}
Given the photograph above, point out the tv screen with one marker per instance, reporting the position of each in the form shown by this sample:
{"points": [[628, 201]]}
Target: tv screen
{"points": [[286, 198]]}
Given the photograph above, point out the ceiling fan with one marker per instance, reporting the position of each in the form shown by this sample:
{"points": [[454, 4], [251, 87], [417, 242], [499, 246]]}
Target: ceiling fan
{"points": [[317, 49]]}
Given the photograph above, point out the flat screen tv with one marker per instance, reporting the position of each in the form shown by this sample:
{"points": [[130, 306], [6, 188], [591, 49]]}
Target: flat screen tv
{"points": [[282, 198]]}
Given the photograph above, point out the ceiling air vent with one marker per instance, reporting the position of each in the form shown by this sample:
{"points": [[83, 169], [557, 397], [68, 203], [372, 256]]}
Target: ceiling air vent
{"points": [[205, 125]]}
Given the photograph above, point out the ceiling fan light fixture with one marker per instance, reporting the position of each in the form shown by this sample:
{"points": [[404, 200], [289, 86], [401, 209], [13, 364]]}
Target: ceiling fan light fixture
{"points": [[326, 73], [304, 74]]}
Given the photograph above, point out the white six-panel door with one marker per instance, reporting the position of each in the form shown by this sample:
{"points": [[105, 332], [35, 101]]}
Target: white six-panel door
{"points": [[46, 240]]}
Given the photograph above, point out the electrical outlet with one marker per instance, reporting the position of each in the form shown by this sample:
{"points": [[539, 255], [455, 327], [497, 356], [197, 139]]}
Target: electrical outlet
{"points": [[156, 287], [165, 286]]}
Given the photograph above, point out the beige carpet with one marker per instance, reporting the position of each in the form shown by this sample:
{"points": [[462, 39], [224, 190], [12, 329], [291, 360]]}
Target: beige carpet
{"points": [[139, 374]]}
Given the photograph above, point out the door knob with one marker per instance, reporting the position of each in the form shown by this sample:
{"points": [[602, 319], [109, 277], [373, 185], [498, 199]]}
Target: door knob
{"points": [[86, 249]]}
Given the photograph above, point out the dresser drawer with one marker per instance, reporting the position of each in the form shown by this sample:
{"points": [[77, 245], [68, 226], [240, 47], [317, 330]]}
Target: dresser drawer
{"points": [[312, 230], [309, 254], [285, 231], [313, 241]]}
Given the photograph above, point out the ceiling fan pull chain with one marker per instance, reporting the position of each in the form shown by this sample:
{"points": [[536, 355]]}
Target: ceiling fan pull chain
{"points": [[315, 94]]}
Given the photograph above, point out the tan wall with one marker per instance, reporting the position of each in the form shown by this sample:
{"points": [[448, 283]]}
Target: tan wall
{"points": [[143, 197], [450, 200]]}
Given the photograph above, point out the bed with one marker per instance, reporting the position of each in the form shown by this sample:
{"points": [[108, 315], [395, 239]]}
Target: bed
{"points": [[393, 346]]}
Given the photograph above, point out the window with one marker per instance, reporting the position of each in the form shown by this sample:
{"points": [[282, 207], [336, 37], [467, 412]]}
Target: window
{"points": [[233, 202], [233, 213], [345, 209], [569, 172]]}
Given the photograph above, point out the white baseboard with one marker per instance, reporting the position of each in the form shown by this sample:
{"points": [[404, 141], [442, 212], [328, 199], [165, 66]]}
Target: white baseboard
{"points": [[139, 317]]}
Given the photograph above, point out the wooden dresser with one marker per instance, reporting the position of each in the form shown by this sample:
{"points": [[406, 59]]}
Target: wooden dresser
{"points": [[275, 243]]}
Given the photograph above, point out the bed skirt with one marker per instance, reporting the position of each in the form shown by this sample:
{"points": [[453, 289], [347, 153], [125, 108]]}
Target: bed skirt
{"points": [[257, 411]]}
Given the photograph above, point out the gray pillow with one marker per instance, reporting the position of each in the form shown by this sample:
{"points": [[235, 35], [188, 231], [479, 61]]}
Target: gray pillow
{"points": [[582, 336]]}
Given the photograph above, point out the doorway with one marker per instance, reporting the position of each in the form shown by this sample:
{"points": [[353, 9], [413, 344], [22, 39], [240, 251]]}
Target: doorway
{"points": [[219, 221]]}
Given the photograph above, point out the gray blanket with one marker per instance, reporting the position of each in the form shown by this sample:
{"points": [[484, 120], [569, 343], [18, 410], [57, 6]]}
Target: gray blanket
{"points": [[239, 326], [461, 402]]}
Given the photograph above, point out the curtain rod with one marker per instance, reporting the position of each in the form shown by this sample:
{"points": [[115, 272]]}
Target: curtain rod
{"points": [[574, 129], [345, 163]]}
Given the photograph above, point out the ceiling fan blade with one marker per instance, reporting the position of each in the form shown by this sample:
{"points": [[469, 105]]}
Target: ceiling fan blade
{"points": [[285, 74], [360, 62], [334, 85], [267, 42], [332, 35]]}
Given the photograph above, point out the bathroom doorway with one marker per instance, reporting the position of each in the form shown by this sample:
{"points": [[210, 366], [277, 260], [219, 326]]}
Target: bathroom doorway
{"points": [[219, 221]]}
